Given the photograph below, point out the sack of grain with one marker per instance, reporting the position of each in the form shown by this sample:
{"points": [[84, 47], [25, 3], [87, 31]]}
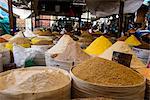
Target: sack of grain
{"points": [[99, 77], [122, 47], [24, 42], [1, 64], [146, 73], [41, 41], [35, 83], [6, 58], [21, 55]]}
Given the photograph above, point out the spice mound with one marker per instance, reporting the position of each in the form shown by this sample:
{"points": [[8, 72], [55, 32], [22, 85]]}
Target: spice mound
{"points": [[61, 45], [108, 73], [74, 53], [32, 80], [41, 41], [121, 46], [132, 41], [20, 40], [98, 46]]}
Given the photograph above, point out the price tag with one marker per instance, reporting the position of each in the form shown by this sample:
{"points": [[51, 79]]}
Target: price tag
{"points": [[122, 58]]}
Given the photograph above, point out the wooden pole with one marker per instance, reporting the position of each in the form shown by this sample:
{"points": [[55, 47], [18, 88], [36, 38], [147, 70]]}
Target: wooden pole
{"points": [[88, 15], [11, 22], [35, 19], [31, 15], [121, 17]]}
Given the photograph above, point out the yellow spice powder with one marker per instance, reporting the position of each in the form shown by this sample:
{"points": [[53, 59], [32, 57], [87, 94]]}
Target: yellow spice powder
{"points": [[98, 46]]}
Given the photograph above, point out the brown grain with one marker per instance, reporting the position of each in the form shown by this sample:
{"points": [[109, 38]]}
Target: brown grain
{"points": [[105, 72]]}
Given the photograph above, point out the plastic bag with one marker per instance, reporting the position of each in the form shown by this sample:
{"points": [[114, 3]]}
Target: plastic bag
{"points": [[21, 54], [28, 33]]}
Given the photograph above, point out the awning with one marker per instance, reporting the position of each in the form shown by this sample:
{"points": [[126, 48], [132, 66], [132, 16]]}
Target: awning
{"points": [[102, 8]]}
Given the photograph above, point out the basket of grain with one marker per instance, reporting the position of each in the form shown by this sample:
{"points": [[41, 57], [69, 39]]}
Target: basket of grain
{"points": [[146, 73], [35, 83], [99, 77], [6, 58]]}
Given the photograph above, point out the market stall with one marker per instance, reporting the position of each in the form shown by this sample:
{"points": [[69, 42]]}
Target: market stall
{"points": [[83, 63]]}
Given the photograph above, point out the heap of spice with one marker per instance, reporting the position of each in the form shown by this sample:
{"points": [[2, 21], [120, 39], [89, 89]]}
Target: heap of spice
{"points": [[61, 45], [132, 41], [122, 47], [41, 41], [42, 32], [98, 46], [104, 72], [73, 53]]}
